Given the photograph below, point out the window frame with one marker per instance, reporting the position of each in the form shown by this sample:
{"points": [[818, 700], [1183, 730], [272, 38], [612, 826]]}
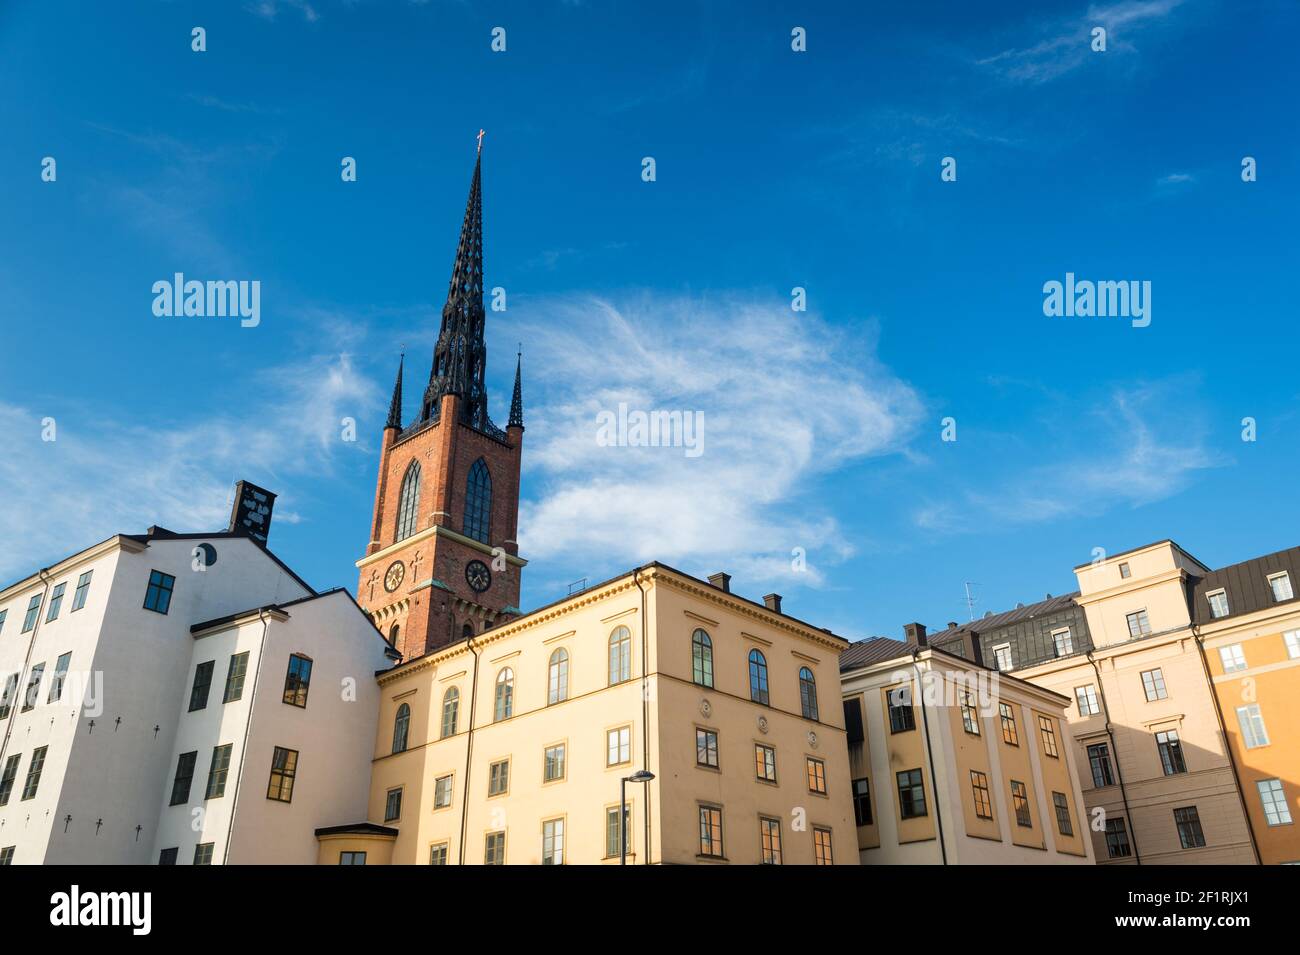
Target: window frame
{"points": [[706, 748], [1273, 802], [981, 794], [908, 803], [82, 590], [503, 695], [1047, 733], [615, 733], [1285, 577], [1064, 825], [1007, 718], [557, 676], [808, 705], [761, 752], [759, 686], [401, 728], [769, 840], [1090, 695], [1173, 761], [1214, 607], [1153, 685], [1142, 620], [159, 592], [450, 706], [712, 834], [1020, 804], [701, 658], [297, 681], [286, 769], [862, 799], [562, 762], [1193, 836]]}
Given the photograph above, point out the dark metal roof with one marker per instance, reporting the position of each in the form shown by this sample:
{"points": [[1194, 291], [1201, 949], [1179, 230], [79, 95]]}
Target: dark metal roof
{"points": [[1006, 618], [1246, 585], [359, 829], [873, 650]]}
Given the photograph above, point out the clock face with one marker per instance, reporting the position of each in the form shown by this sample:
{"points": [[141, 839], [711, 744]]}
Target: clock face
{"points": [[393, 578], [478, 576]]}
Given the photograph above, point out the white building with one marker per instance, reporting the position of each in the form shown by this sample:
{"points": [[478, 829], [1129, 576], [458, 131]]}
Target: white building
{"points": [[98, 661]]}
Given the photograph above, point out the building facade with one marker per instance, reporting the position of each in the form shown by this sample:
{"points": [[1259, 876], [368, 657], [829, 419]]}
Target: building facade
{"points": [[953, 763]]}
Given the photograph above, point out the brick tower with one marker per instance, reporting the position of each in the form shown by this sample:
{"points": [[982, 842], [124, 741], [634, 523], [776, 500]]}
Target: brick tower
{"points": [[442, 562]]}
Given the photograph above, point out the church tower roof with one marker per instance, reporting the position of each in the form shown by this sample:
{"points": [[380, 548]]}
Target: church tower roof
{"points": [[395, 406], [517, 401]]}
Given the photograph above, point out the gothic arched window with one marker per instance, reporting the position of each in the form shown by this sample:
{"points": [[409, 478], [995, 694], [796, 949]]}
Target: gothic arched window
{"points": [[408, 506], [478, 502], [401, 726], [702, 658], [808, 693], [758, 677], [394, 634], [558, 677]]}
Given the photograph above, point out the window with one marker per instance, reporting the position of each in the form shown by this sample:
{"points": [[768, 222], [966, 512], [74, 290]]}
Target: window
{"points": [[158, 595], [1086, 697], [393, 805], [79, 595], [1188, 821], [1047, 729], [1280, 584], [168, 856], [901, 717], [618, 746], [395, 633], [979, 784], [450, 711], [34, 772], [764, 763], [7, 855], [1125, 572], [1063, 641], [56, 601], [33, 687], [1138, 624], [1218, 603], [466, 631], [352, 858], [553, 842], [401, 728], [970, 719], [758, 677], [499, 777], [478, 502], [235, 677], [706, 748], [557, 678], [503, 702], [442, 792], [1253, 732], [1171, 752], [822, 853], [1292, 639], [816, 776], [911, 794], [620, 655], [438, 854], [808, 693], [203, 853], [1099, 760], [711, 832], [553, 763], [1233, 658], [217, 771], [614, 832], [494, 848], [184, 777], [701, 658], [7, 701], [297, 681], [1153, 684], [1273, 798], [1002, 659], [202, 683], [7, 779], [1062, 806], [1008, 717], [3, 614], [769, 834], [408, 506], [284, 767], [33, 611], [1020, 802], [60, 676]]}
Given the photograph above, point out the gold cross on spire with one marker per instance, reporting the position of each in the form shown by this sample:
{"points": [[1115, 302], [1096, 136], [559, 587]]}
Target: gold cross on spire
{"points": [[481, 134]]}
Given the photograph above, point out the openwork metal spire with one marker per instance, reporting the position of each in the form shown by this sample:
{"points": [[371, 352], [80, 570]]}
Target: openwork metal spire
{"points": [[395, 406], [517, 402]]}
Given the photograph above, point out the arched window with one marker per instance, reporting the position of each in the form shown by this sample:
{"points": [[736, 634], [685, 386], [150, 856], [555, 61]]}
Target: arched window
{"points": [[558, 677], [620, 655], [758, 677], [450, 711], [467, 631], [401, 726], [478, 502], [808, 693], [394, 634], [701, 658], [503, 705], [408, 505]]}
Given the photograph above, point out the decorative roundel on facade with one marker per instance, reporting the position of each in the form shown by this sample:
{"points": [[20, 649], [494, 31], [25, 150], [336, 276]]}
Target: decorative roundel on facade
{"points": [[762, 724], [812, 739], [393, 576], [705, 708], [205, 555], [478, 576]]}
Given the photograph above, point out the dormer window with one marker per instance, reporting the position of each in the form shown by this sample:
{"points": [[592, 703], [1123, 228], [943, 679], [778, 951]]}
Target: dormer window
{"points": [[1281, 586], [1218, 603]]}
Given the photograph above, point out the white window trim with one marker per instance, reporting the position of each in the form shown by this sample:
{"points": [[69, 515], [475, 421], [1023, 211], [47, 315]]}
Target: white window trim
{"points": [[1010, 656], [1226, 656], [1227, 608], [1245, 719], [1140, 633], [1060, 630], [1281, 575], [1291, 639]]}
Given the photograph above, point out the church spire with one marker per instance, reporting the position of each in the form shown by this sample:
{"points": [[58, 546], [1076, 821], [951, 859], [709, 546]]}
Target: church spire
{"points": [[395, 406], [517, 402]]}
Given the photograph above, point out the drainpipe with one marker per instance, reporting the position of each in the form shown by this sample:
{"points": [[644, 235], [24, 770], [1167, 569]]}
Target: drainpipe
{"points": [[645, 715], [929, 755], [1119, 772], [469, 751], [15, 707], [248, 729], [1223, 731]]}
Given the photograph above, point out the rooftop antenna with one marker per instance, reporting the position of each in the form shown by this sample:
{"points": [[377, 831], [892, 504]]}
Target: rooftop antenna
{"points": [[971, 599]]}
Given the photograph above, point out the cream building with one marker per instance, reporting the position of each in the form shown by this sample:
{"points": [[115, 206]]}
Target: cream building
{"points": [[514, 746], [956, 764]]}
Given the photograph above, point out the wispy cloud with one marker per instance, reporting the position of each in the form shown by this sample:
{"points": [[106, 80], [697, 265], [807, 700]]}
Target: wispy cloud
{"points": [[270, 9]]}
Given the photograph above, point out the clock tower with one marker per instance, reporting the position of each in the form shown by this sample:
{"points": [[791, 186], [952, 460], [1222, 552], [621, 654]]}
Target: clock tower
{"points": [[442, 562]]}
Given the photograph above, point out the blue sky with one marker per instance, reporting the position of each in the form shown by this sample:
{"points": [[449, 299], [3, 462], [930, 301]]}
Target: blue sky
{"points": [[775, 169]]}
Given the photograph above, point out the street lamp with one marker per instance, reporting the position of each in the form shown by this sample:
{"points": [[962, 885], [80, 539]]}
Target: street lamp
{"points": [[640, 776]]}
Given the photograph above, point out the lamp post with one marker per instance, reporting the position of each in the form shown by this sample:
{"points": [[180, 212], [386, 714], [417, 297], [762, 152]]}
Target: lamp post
{"points": [[640, 776]]}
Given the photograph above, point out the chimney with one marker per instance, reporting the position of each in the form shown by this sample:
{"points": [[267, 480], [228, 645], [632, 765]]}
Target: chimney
{"points": [[773, 602], [251, 514], [721, 581], [915, 633]]}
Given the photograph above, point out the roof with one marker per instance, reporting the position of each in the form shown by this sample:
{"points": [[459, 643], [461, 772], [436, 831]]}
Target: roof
{"points": [[1008, 617], [1246, 585], [873, 650], [283, 607], [1134, 550], [358, 829]]}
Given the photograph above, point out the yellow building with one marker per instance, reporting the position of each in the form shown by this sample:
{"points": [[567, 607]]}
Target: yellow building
{"points": [[953, 763], [516, 745]]}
